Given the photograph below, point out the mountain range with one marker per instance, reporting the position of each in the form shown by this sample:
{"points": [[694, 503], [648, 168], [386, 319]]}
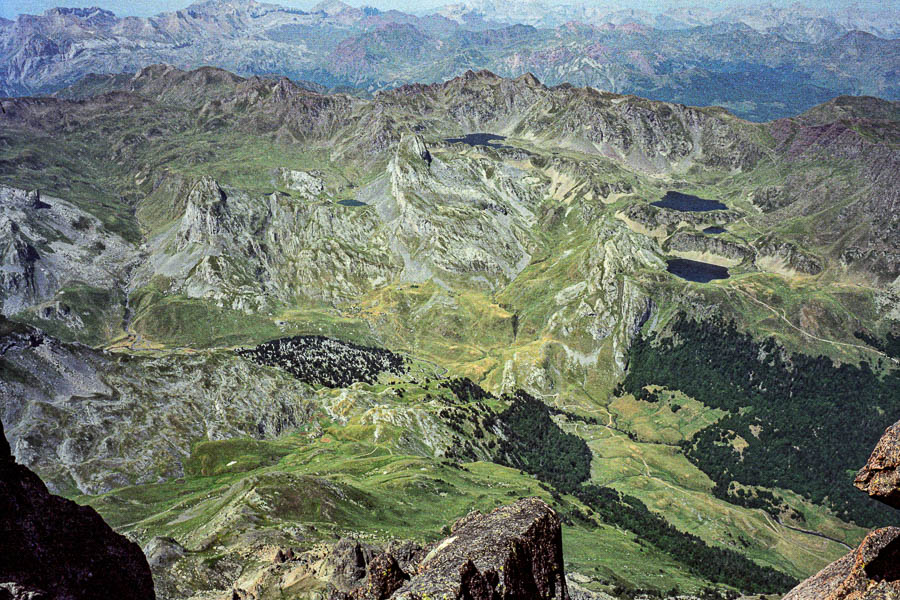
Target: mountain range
{"points": [[761, 64], [244, 316], [497, 300], [796, 22]]}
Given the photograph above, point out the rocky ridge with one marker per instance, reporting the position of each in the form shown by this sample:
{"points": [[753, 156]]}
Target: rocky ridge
{"points": [[248, 253]]}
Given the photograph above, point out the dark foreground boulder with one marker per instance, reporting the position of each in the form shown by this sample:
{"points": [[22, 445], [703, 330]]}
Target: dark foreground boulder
{"points": [[872, 571], [383, 579], [52, 548]]}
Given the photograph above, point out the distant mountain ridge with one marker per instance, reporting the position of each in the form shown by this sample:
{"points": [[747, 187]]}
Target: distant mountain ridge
{"points": [[795, 23], [760, 65]]}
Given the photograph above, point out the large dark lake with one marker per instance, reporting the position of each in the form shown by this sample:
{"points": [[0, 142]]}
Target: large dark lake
{"points": [[479, 139], [694, 270], [688, 203], [714, 230], [351, 202]]}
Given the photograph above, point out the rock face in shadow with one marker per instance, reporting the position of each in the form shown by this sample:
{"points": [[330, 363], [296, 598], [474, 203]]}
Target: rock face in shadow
{"points": [[872, 571], [349, 559], [55, 549], [384, 578], [880, 478]]}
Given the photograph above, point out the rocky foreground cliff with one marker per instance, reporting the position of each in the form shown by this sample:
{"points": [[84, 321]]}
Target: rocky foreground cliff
{"points": [[54, 549], [872, 571]]}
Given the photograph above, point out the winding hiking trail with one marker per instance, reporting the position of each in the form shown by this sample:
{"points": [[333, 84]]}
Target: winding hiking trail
{"points": [[815, 533], [781, 315]]}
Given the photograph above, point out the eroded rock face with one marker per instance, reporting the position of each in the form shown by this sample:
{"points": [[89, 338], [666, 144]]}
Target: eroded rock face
{"points": [[54, 548], [871, 572], [696, 242], [790, 256], [349, 559], [514, 552], [880, 478], [48, 243]]}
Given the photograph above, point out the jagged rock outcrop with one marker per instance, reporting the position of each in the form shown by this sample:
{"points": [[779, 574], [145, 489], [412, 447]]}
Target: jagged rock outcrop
{"points": [[511, 553], [47, 243], [872, 571], [20, 282], [770, 197], [247, 252], [785, 255], [384, 577], [347, 561], [416, 146], [308, 185], [467, 218], [55, 549], [880, 478], [205, 214], [162, 552], [652, 217], [695, 242]]}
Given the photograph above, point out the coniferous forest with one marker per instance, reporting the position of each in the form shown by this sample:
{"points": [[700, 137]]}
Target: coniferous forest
{"points": [[809, 424], [536, 444]]}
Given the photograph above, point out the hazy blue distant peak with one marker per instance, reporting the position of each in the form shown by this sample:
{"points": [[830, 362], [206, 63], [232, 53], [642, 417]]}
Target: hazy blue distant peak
{"points": [[11, 8]]}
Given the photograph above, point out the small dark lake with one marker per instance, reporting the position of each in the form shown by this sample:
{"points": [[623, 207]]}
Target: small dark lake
{"points": [[694, 270], [688, 203], [479, 139], [351, 202], [714, 230]]}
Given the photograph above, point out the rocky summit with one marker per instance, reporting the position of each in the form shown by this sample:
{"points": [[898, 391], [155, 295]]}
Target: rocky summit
{"points": [[52, 548], [512, 553]]}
